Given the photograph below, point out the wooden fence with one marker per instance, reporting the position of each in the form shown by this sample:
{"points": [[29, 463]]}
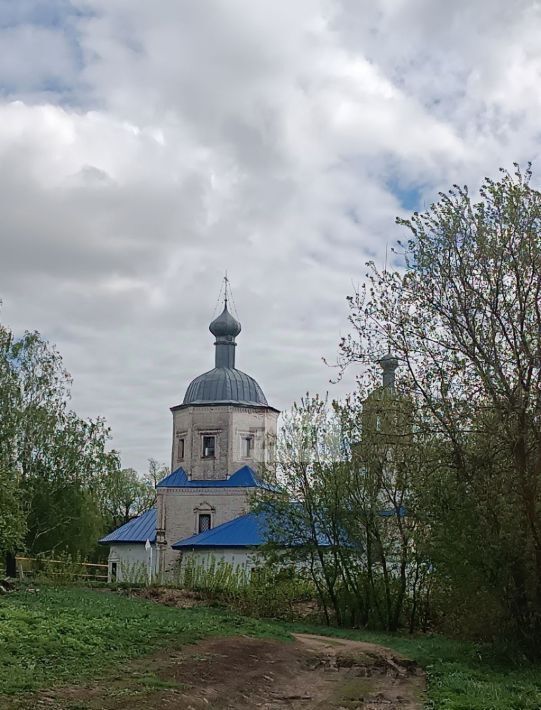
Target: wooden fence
{"points": [[30, 565]]}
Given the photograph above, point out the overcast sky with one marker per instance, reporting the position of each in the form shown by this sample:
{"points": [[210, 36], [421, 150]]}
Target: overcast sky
{"points": [[146, 147]]}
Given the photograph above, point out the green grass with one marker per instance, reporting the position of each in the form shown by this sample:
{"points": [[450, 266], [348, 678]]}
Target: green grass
{"points": [[66, 635]]}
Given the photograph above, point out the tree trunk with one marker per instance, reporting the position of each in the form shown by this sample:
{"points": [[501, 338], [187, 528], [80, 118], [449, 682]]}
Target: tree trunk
{"points": [[11, 564]]}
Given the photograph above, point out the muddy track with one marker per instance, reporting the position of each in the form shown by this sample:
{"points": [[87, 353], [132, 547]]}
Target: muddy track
{"points": [[245, 673]]}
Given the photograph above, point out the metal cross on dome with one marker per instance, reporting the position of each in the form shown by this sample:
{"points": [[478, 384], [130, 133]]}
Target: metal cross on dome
{"points": [[226, 286]]}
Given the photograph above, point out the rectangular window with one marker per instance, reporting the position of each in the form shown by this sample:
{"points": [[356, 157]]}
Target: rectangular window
{"points": [[209, 447], [204, 522], [113, 571], [180, 451], [247, 446]]}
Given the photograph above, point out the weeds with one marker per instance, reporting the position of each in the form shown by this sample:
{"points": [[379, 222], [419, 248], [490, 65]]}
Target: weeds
{"points": [[265, 592]]}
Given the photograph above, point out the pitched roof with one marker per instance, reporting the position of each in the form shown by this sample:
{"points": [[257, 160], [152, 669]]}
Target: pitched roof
{"points": [[250, 530], [139, 529], [245, 477], [247, 531]]}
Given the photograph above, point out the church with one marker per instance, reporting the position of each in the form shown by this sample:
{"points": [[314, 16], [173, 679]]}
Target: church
{"points": [[223, 443]]}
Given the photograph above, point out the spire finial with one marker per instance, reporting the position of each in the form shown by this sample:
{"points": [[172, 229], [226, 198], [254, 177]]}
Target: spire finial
{"points": [[225, 328], [226, 286], [385, 276]]}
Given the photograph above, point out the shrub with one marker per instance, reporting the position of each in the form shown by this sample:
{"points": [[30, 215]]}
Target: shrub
{"points": [[60, 568], [267, 591]]}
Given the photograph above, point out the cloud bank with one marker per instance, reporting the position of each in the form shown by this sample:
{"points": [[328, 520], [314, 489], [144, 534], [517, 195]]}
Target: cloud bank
{"points": [[146, 148]]}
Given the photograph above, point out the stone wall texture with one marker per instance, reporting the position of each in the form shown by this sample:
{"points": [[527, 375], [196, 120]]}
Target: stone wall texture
{"points": [[228, 424]]}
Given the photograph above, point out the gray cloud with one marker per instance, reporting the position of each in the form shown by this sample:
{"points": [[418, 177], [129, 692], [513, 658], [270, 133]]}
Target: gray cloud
{"points": [[275, 140]]}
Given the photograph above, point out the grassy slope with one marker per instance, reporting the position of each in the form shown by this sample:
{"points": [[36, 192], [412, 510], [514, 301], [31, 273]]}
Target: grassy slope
{"points": [[65, 634], [62, 635]]}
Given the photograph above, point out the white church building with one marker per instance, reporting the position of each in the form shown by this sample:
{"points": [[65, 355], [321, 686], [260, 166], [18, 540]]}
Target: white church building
{"points": [[224, 434]]}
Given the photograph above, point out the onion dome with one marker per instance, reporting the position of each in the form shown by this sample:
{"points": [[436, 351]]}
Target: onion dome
{"points": [[225, 326], [388, 364], [225, 384]]}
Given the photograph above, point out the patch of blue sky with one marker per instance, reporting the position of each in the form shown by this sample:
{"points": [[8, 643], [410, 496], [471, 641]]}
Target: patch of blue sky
{"points": [[51, 89], [410, 196], [59, 16], [52, 13]]}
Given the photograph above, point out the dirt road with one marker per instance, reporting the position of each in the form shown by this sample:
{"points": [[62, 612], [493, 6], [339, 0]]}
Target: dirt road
{"points": [[240, 673]]}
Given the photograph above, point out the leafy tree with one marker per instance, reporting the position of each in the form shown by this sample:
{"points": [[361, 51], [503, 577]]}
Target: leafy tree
{"points": [[308, 450], [12, 518], [155, 472], [126, 495], [463, 315], [341, 514], [381, 510], [63, 486], [51, 461]]}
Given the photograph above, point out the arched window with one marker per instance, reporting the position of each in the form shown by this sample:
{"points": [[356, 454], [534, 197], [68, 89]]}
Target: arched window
{"points": [[203, 517]]}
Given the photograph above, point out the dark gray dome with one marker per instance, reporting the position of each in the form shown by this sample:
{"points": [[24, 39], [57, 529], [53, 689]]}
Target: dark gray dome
{"points": [[225, 326], [225, 384], [388, 362]]}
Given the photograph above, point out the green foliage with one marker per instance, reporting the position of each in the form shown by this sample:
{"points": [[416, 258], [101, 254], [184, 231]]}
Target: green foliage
{"points": [[278, 593], [70, 635], [12, 518], [124, 495], [346, 483], [134, 573], [53, 464], [212, 576], [61, 487], [264, 592], [61, 569], [463, 318]]}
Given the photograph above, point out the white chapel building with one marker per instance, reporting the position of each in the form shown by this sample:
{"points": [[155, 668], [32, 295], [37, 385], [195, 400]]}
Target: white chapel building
{"points": [[224, 434]]}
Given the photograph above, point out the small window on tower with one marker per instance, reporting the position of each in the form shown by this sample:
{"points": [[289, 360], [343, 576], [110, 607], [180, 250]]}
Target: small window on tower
{"points": [[209, 447], [204, 522], [247, 446], [180, 452]]}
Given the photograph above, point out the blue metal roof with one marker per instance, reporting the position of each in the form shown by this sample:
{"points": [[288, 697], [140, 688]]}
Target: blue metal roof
{"points": [[250, 530], [139, 529], [247, 531], [175, 479], [400, 512], [245, 477]]}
